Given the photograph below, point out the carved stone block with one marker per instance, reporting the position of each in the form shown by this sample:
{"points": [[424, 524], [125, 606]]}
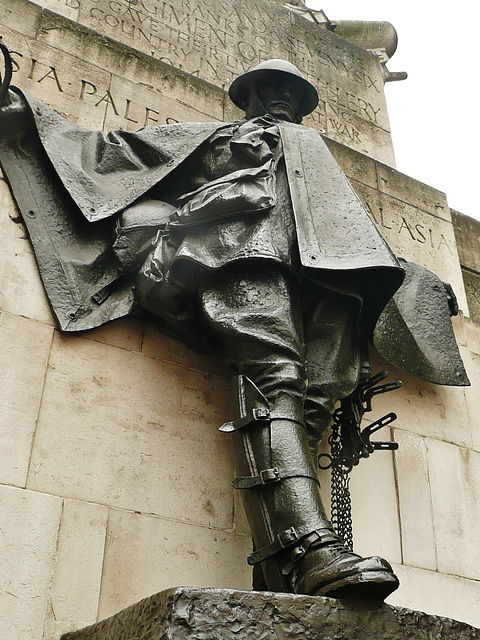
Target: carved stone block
{"points": [[20, 402], [222, 614], [28, 530], [169, 413]]}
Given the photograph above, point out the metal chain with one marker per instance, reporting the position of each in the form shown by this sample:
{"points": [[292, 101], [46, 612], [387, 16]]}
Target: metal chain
{"points": [[348, 444], [340, 481]]}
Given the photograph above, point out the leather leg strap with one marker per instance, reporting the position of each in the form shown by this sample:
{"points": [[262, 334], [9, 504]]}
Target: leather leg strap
{"points": [[307, 535], [267, 477]]}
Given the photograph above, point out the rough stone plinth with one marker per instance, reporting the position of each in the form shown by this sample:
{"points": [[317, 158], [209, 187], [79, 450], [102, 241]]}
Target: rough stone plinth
{"points": [[224, 614]]}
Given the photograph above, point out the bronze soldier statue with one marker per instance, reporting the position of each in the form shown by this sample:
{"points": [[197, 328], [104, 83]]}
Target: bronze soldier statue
{"points": [[245, 238]]}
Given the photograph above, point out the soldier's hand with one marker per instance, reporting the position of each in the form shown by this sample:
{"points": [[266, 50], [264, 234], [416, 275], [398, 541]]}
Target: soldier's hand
{"points": [[13, 118], [451, 299]]}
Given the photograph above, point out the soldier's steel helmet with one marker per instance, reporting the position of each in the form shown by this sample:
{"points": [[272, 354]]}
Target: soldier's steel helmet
{"points": [[239, 87]]}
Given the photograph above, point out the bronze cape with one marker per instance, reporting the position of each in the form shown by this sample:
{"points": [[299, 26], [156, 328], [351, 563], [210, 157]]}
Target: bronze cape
{"points": [[103, 174]]}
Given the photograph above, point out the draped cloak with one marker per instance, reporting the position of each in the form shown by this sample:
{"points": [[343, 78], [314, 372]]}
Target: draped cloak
{"points": [[70, 184]]}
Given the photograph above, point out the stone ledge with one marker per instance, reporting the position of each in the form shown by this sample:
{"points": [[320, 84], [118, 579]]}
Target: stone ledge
{"points": [[186, 613]]}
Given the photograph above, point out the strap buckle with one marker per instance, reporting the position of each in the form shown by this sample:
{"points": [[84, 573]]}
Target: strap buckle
{"points": [[282, 541], [266, 476], [257, 415], [313, 539]]}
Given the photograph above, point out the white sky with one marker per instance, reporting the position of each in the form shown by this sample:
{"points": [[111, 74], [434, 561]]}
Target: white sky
{"points": [[435, 113]]}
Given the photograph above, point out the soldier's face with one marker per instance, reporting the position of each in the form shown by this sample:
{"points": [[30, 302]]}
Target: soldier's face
{"points": [[280, 97]]}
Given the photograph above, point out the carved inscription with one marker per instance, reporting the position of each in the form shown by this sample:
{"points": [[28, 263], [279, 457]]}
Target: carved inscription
{"points": [[327, 116], [84, 90], [418, 236], [411, 230], [119, 104], [216, 40], [208, 37]]}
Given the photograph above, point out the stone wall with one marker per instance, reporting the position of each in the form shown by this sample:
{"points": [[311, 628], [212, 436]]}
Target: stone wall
{"points": [[114, 482]]}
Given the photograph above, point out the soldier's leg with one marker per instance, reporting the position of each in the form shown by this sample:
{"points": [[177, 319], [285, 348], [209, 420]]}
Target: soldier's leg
{"points": [[255, 311], [336, 359], [257, 314]]}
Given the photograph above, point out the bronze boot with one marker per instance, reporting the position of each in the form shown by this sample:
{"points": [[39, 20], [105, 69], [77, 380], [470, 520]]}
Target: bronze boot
{"points": [[322, 565], [294, 542]]}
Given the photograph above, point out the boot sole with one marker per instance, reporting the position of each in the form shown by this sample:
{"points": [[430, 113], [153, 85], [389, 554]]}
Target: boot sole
{"points": [[374, 585]]}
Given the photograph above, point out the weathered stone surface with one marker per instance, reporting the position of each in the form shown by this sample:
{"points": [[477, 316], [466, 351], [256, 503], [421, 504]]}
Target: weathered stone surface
{"points": [[106, 87], [459, 323], [387, 180], [373, 492], [126, 333], [355, 165], [413, 192], [416, 235], [157, 344], [218, 41], [54, 629], [223, 614], [78, 568], [28, 533], [24, 348], [471, 357], [66, 8], [354, 132], [455, 488], [413, 217], [137, 90], [240, 517], [416, 519], [119, 428], [20, 16], [438, 594], [133, 65], [59, 78], [472, 335], [472, 290], [137, 105], [374, 141], [145, 554], [467, 233]]}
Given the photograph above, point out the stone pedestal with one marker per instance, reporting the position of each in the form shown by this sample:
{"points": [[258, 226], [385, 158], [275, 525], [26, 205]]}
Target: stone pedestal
{"points": [[187, 613]]}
